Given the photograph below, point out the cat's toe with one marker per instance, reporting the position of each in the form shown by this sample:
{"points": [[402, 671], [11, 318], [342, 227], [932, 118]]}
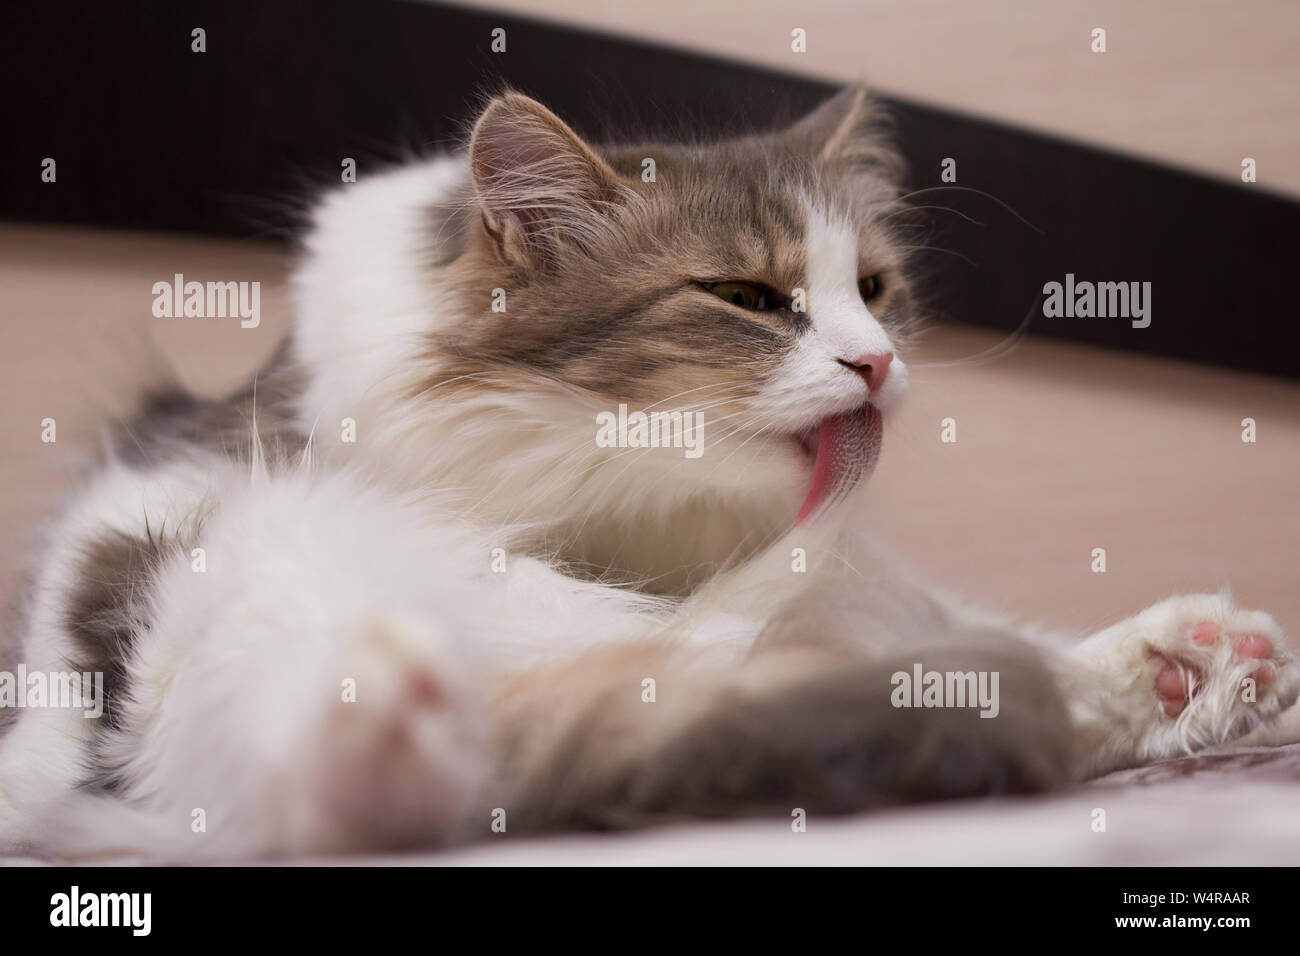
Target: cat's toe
{"points": [[1173, 686]]}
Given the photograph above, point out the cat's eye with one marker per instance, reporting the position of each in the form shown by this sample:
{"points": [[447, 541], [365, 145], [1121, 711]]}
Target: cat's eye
{"points": [[740, 293], [869, 287]]}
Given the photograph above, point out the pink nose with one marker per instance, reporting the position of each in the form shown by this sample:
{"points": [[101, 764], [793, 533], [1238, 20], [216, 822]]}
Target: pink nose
{"points": [[873, 367]]}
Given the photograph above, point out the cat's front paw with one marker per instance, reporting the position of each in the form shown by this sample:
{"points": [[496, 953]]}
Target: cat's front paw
{"points": [[1192, 672]]}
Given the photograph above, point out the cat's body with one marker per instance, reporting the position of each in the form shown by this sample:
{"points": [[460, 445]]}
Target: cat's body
{"points": [[538, 628]]}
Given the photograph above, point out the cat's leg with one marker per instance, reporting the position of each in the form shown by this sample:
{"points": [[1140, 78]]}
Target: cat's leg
{"points": [[293, 677], [1188, 673], [804, 718]]}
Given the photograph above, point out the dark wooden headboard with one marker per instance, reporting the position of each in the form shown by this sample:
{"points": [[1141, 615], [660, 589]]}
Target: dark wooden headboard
{"points": [[233, 141]]}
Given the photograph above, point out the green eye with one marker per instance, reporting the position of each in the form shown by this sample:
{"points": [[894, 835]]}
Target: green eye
{"points": [[869, 287], [740, 293]]}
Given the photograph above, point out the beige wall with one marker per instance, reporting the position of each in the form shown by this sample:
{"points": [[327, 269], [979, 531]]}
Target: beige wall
{"points": [[1195, 83], [1062, 448]]}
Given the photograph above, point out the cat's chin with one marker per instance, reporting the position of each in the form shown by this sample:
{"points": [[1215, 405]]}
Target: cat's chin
{"points": [[842, 450]]}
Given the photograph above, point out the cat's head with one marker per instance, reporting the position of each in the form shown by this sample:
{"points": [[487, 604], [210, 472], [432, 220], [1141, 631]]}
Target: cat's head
{"points": [[515, 326], [753, 283]]}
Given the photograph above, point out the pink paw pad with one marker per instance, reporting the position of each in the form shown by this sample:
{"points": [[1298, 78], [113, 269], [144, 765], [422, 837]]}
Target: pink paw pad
{"points": [[423, 690], [1253, 645], [1258, 647], [1177, 684]]}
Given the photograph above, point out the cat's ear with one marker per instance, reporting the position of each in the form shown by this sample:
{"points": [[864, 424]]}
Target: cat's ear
{"points": [[849, 131], [541, 189]]}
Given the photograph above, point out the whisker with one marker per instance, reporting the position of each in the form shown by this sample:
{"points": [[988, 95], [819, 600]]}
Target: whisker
{"points": [[994, 352], [977, 192]]}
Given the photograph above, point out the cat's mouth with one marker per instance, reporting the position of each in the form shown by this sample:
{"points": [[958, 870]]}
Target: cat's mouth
{"points": [[844, 449]]}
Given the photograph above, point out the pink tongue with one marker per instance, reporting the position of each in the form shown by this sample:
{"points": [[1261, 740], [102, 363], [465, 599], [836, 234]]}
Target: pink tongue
{"points": [[847, 448]]}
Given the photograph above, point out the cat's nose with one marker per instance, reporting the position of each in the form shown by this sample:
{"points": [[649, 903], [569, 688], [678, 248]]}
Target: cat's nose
{"points": [[873, 367]]}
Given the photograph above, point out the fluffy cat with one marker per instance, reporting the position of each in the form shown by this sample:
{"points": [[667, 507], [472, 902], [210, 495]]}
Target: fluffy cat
{"points": [[475, 613]]}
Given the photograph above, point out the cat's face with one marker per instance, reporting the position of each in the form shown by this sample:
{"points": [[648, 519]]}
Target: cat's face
{"points": [[753, 284]]}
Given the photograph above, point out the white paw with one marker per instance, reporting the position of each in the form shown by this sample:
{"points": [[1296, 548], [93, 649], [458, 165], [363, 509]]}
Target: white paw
{"points": [[401, 751], [1193, 672]]}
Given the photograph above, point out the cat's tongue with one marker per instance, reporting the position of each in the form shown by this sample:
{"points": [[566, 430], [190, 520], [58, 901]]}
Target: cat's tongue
{"points": [[847, 448]]}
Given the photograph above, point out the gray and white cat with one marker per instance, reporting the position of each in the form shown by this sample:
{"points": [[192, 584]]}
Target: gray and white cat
{"points": [[477, 612]]}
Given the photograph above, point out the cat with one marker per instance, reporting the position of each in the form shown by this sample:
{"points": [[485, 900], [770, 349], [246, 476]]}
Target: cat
{"points": [[395, 593]]}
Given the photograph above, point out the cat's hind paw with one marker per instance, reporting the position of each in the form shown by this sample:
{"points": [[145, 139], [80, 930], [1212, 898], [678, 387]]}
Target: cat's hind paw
{"points": [[400, 752]]}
